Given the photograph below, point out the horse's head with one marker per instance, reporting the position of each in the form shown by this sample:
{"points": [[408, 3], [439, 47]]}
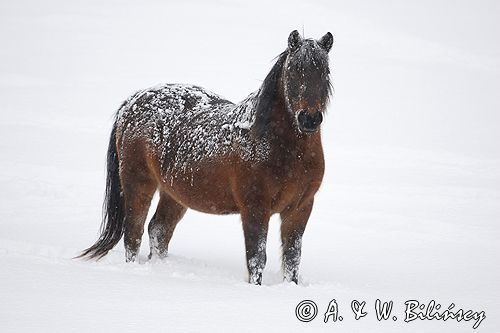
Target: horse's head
{"points": [[306, 81]]}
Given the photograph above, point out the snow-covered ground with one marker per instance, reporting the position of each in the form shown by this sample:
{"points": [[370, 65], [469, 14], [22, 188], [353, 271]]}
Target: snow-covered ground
{"points": [[409, 208]]}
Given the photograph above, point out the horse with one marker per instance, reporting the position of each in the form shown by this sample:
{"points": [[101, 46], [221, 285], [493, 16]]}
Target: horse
{"points": [[260, 157]]}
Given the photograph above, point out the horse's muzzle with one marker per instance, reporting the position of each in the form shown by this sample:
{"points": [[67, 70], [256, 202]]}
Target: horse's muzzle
{"points": [[309, 122]]}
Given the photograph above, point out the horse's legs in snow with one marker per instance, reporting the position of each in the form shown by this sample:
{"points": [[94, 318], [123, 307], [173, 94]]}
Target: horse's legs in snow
{"points": [[293, 224], [138, 192], [162, 225], [255, 220]]}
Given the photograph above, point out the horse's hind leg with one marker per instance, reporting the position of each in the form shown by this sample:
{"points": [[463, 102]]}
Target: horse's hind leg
{"points": [[162, 225], [138, 192]]}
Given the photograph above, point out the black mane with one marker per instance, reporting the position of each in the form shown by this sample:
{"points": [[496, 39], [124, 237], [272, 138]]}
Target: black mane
{"points": [[267, 95]]}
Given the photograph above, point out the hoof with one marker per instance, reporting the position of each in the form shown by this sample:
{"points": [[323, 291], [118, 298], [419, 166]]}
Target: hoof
{"points": [[130, 256], [291, 276], [255, 279], [159, 254]]}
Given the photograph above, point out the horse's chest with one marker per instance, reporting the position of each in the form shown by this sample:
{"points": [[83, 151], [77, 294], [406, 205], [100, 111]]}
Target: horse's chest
{"points": [[295, 179]]}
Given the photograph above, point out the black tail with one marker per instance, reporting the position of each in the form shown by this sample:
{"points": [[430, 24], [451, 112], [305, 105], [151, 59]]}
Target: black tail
{"points": [[113, 207]]}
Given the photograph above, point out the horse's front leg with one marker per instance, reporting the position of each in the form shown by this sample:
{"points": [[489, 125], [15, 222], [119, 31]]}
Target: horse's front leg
{"points": [[293, 224], [255, 220]]}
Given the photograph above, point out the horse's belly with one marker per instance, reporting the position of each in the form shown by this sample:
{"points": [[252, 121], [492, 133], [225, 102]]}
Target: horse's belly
{"points": [[202, 191]]}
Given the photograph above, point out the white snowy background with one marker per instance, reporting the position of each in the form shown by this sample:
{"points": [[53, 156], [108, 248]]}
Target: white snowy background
{"points": [[410, 204]]}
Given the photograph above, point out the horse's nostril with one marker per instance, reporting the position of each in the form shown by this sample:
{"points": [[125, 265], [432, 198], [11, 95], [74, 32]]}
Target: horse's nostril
{"points": [[318, 118], [309, 121], [303, 117]]}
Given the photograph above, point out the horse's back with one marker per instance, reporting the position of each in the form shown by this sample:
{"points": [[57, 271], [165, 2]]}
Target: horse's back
{"points": [[179, 135], [163, 114], [170, 100]]}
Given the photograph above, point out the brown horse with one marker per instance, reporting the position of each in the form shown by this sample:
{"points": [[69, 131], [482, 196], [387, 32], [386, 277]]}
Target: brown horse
{"points": [[256, 158]]}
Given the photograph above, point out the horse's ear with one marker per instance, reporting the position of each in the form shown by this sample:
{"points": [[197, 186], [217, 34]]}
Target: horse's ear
{"points": [[326, 41], [294, 40]]}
